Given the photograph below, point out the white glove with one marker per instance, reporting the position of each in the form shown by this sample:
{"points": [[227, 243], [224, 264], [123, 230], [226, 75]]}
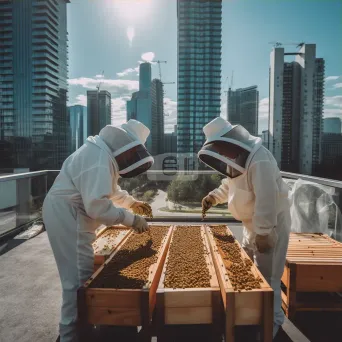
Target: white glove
{"points": [[207, 202], [264, 243], [139, 224]]}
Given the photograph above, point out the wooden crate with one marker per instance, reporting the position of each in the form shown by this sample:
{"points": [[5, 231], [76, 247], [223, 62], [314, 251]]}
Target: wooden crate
{"points": [[313, 264], [124, 307], [190, 305], [252, 307], [106, 242]]}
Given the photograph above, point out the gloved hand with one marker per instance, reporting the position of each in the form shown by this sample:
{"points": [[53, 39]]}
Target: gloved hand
{"points": [[141, 208], [264, 243], [139, 224], [207, 202]]}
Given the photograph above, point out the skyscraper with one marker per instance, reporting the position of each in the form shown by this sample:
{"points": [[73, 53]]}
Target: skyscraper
{"points": [[199, 70], [140, 105], [33, 81], [243, 108], [99, 110], [296, 109], [332, 125], [78, 126], [157, 116]]}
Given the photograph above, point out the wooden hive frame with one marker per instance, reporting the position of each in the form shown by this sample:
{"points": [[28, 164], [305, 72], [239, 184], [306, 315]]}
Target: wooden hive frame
{"points": [[252, 307], [123, 307], [190, 305], [313, 264], [101, 254]]}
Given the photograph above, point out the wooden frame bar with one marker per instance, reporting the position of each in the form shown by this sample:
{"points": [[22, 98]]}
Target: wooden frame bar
{"points": [[124, 307], [102, 250], [252, 307]]}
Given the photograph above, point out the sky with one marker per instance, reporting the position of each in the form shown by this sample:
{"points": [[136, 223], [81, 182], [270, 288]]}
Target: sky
{"points": [[108, 39]]}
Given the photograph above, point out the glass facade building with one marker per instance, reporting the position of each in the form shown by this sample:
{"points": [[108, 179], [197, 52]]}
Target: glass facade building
{"points": [[157, 117], [199, 70], [33, 81], [99, 105], [243, 108], [78, 126]]}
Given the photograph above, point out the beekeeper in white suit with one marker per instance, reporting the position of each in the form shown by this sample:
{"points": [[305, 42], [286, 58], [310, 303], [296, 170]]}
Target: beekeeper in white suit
{"points": [[256, 195], [85, 195]]}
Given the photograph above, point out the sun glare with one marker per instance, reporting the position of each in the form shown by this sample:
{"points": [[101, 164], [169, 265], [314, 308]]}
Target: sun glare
{"points": [[131, 10]]}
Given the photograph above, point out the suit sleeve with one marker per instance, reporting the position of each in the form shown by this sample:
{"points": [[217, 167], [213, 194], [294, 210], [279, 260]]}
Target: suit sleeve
{"points": [[221, 193], [95, 186], [122, 198], [263, 179]]}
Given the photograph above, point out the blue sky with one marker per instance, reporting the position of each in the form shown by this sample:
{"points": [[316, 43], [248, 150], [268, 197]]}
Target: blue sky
{"points": [[114, 35]]}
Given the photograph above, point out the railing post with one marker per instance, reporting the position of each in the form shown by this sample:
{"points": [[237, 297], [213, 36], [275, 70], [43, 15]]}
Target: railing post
{"points": [[23, 201]]}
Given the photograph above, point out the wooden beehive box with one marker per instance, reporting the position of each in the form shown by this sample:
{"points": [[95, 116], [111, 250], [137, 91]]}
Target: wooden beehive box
{"points": [[124, 307], [313, 264], [243, 307], [189, 305], [107, 240]]}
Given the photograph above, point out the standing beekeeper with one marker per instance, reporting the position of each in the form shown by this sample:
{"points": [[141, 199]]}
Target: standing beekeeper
{"points": [[256, 195], [85, 195]]}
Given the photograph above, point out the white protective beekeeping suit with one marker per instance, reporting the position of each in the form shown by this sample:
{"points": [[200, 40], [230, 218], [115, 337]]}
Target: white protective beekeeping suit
{"points": [[85, 195], [256, 195]]}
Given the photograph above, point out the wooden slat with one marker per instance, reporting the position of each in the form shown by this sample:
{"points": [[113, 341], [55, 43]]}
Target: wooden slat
{"points": [[113, 298], [114, 316], [188, 315], [188, 298], [319, 278]]}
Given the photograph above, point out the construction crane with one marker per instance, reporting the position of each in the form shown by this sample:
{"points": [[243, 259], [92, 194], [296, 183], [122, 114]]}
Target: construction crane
{"points": [[277, 44], [101, 81], [232, 80], [159, 62]]}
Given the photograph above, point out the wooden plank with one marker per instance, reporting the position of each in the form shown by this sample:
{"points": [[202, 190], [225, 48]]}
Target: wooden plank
{"points": [[119, 298], [319, 278], [114, 316], [242, 307], [284, 277], [267, 331], [248, 308], [188, 315], [188, 298], [156, 271]]}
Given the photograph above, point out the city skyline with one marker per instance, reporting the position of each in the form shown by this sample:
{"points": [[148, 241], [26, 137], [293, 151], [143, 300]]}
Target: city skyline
{"points": [[245, 48]]}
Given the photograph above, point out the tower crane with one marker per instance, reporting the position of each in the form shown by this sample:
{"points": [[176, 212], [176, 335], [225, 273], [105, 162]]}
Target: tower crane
{"points": [[278, 44], [101, 81], [159, 62]]}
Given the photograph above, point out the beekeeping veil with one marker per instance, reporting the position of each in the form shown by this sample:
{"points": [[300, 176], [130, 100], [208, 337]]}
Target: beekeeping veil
{"points": [[127, 146], [227, 147]]}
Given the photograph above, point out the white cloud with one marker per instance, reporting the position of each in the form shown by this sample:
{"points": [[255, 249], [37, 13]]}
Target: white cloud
{"points": [[80, 100], [130, 34], [119, 110], [331, 78], [224, 109], [337, 85], [117, 88], [99, 76], [148, 56], [263, 108], [126, 72], [170, 118], [335, 101]]}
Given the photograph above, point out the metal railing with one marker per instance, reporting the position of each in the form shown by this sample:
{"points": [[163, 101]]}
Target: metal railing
{"points": [[22, 195]]}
